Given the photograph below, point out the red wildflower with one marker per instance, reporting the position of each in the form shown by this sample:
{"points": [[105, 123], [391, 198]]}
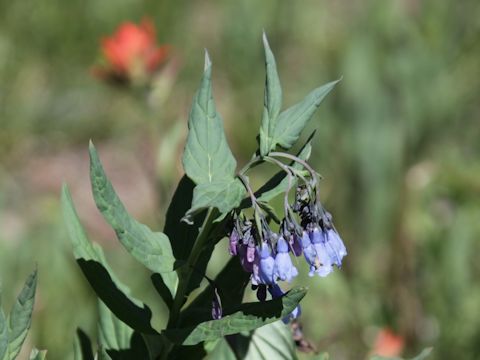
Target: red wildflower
{"points": [[131, 53], [387, 343]]}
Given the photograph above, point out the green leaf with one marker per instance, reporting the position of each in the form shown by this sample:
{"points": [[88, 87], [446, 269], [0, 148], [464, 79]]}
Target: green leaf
{"points": [[247, 317], [278, 184], [20, 317], [272, 101], [152, 249], [207, 157], [3, 335], [112, 333], [82, 349], [223, 195], [108, 288], [272, 341], [291, 122], [36, 354]]}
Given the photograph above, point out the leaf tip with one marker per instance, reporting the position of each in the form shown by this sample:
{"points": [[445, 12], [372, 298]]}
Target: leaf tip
{"points": [[208, 62]]}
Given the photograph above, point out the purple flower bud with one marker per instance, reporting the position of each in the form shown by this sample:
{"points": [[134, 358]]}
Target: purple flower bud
{"points": [[216, 306], [251, 251], [234, 237], [296, 244], [284, 268], [242, 254]]}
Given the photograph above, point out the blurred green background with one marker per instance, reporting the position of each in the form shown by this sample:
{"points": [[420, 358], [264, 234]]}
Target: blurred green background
{"points": [[397, 143]]}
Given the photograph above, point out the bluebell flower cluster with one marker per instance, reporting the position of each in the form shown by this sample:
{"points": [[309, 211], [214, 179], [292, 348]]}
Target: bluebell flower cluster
{"points": [[306, 231]]}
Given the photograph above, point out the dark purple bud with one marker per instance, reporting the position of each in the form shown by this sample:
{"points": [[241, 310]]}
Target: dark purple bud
{"points": [[296, 244], [216, 306], [242, 254]]}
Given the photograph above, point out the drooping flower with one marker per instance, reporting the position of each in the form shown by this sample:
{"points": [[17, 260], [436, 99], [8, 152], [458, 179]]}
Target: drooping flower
{"points": [[309, 252], [131, 53], [334, 246], [284, 268], [323, 261], [277, 292], [263, 267]]}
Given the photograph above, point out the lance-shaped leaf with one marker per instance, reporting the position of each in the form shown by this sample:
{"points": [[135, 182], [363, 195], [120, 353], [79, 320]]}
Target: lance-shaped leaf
{"points": [[272, 101], [152, 249], [246, 317], [3, 335], [293, 120], [207, 157], [20, 317], [278, 184], [108, 288], [223, 195]]}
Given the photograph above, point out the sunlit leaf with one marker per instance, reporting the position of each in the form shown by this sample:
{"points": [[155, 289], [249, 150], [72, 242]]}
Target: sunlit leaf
{"points": [[272, 101], [20, 317], [292, 121], [207, 157], [223, 195], [152, 249]]}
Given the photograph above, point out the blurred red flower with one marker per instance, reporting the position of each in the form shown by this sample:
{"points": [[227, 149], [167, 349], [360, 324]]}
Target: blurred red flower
{"points": [[131, 53], [387, 343]]}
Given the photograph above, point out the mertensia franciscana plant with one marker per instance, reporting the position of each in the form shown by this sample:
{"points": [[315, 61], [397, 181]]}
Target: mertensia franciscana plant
{"points": [[214, 202]]}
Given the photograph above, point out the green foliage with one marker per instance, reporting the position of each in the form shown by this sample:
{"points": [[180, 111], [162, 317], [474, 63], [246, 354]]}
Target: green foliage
{"points": [[108, 288], [14, 328], [272, 102], [207, 157], [248, 317], [293, 120], [152, 249], [272, 341]]}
